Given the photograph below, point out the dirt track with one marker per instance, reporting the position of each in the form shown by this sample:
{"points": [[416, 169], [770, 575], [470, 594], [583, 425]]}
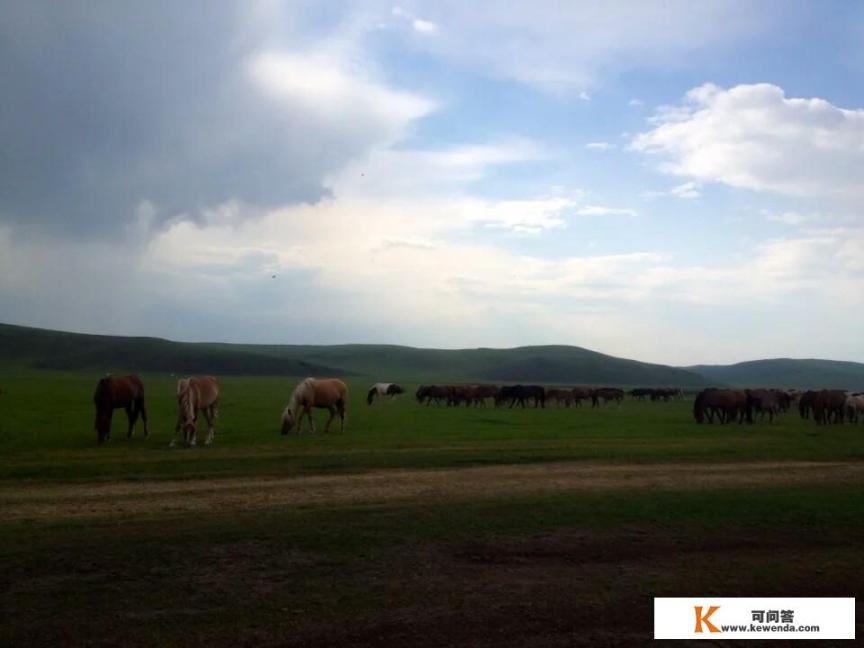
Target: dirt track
{"points": [[124, 498]]}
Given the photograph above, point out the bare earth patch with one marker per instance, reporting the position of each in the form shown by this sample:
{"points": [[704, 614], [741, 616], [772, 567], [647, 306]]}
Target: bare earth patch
{"points": [[124, 498]]}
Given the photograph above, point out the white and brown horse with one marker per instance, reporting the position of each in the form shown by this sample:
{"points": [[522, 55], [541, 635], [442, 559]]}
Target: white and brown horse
{"points": [[196, 395], [381, 390], [323, 393]]}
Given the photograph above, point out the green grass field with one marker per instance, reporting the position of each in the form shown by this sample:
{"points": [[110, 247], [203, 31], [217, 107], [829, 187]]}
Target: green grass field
{"points": [[418, 526]]}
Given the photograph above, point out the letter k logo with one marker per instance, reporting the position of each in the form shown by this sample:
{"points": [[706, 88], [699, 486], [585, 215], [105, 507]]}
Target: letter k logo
{"points": [[703, 618]]}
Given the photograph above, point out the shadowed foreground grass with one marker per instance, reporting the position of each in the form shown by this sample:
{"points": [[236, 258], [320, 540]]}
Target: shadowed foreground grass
{"points": [[570, 569]]}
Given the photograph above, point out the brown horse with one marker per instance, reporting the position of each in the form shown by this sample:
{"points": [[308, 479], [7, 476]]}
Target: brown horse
{"points": [[828, 406], [805, 403], [762, 402], [480, 393], [582, 393], [728, 405], [562, 397], [324, 393], [196, 395], [113, 392], [607, 394]]}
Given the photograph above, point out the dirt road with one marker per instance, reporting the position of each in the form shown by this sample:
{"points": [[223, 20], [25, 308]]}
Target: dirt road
{"points": [[59, 501]]}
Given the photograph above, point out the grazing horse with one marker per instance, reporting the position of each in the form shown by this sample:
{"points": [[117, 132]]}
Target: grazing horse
{"points": [[854, 408], [607, 394], [828, 406], [196, 395], [582, 393], [762, 402], [805, 403], [521, 393], [479, 393], [562, 397], [728, 405], [381, 390], [118, 391], [323, 393], [437, 393]]}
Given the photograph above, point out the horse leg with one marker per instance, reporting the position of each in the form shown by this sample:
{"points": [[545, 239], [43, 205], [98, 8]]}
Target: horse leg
{"points": [[332, 410], [177, 434], [131, 416], [192, 432], [341, 406], [142, 409], [210, 414], [309, 416]]}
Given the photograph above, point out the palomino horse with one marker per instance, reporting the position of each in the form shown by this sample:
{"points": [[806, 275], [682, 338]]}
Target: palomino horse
{"points": [[324, 393], [118, 391], [381, 390], [854, 408], [195, 395]]}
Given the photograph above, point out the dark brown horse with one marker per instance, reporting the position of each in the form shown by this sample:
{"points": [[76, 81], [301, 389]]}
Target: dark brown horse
{"points": [[764, 402], [828, 406], [113, 392], [582, 393], [728, 405], [607, 394], [805, 403]]}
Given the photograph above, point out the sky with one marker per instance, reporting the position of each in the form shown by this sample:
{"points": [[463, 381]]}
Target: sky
{"points": [[671, 181]]}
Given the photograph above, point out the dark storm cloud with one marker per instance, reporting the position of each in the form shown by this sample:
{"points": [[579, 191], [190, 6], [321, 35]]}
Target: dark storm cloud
{"points": [[108, 104]]}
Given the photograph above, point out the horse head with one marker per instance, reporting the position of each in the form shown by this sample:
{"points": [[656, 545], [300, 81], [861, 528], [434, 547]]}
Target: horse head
{"points": [[287, 420]]}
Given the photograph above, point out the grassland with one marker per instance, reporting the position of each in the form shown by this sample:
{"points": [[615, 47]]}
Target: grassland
{"points": [[421, 526]]}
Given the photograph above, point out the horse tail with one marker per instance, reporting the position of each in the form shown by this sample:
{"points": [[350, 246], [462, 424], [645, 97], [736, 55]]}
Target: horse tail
{"points": [[371, 395]]}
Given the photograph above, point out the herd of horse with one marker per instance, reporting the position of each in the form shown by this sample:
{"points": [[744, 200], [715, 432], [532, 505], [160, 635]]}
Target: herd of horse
{"points": [[537, 395], [200, 395], [746, 405]]}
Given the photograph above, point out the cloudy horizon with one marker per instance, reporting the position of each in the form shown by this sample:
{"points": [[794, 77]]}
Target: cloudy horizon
{"points": [[672, 182]]}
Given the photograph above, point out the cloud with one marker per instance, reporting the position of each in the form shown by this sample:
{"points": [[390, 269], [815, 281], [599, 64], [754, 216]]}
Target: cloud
{"points": [[182, 109], [599, 146], [754, 137], [787, 217], [599, 210], [636, 103], [688, 190], [418, 24], [390, 172]]}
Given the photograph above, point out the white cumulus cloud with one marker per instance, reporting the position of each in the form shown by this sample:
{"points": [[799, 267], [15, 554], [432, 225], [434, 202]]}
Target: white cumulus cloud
{"points": [[755, 137]]}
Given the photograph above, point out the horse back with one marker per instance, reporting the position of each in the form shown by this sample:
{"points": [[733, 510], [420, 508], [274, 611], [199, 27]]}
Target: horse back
{"points": [[328, 391], [118, 391]]}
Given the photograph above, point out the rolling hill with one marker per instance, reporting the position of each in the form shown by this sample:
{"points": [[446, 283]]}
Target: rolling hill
{"points": [[787, 372], [44, 349]]}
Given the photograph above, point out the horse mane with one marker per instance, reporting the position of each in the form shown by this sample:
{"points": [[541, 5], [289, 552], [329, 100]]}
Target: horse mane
{"points": [[302, 390], [184, 395]]}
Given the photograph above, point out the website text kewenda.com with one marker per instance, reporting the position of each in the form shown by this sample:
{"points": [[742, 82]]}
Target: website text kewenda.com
{"points": [[753, 627]]}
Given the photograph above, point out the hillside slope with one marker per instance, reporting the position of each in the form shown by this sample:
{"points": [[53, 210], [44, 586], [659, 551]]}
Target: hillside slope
{"points": [[38, 348], [43, 349], [787, 372]]}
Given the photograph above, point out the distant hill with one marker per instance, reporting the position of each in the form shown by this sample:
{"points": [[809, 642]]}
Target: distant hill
{"points": [[542, 364], [44, 349], [787, 372]]}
